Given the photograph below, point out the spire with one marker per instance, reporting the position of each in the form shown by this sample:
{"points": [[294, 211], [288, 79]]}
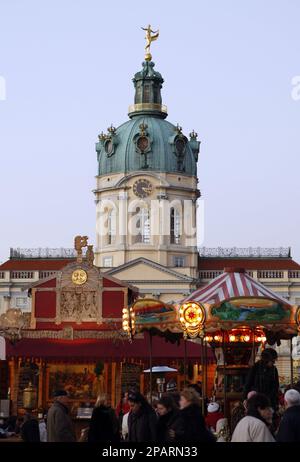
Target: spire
{"points": [[148, 84]]}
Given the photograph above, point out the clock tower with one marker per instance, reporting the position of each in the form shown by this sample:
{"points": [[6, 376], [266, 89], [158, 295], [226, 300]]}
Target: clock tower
{"points": [[146, 196]]}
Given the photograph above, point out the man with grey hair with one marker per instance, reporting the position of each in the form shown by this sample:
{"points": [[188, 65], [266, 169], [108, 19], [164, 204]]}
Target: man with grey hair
{"points": [[59, 423], [289, 429]]}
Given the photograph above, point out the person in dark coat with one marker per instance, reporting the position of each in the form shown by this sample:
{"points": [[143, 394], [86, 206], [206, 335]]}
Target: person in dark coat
{"points": [[104, 426], [142, 419], [168, 418], [289, 428], [190, 426], [59, 424], [30, 432], [263, 377]]}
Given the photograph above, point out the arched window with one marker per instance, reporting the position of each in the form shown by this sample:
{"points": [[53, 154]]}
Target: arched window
{"points": [[111, 226], [175, 226], [143, 226]]}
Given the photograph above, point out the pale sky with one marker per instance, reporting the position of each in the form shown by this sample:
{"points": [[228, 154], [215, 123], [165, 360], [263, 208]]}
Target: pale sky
{"points": [[228, 67]]}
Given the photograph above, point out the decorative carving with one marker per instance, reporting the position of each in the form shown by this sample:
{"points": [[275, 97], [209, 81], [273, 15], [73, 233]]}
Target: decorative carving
{"points": [[178, 129], [193, 135], [102, 137], [67, 334], [78, 306], [13, 318], [12, 322], [112, 130]]}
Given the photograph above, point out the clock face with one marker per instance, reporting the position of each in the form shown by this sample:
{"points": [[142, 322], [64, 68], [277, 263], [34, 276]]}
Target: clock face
{"points": [[142, 188]]}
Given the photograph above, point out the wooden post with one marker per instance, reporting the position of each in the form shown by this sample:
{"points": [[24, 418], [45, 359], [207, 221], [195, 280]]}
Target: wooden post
{"points": [[291, 362], [253, 347], [113, 385], [224, 372], [184, 363], [202, 375], [47, 383], [150, 357], [41, 384]]}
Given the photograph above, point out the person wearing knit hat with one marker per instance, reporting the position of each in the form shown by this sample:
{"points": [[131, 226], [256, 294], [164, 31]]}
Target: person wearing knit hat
{"points": [[213, 415]]}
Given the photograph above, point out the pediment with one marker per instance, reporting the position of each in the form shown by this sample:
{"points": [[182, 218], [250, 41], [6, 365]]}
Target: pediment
{"points": [[142, 269]]}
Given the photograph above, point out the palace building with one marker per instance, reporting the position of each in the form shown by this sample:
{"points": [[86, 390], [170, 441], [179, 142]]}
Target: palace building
{"points": [[61, 309]]}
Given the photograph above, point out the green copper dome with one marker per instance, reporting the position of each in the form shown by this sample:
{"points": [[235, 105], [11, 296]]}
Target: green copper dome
{"points": [[147, 142]]}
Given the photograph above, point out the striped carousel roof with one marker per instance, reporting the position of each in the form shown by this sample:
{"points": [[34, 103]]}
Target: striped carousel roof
{"points": [[233, 283]]}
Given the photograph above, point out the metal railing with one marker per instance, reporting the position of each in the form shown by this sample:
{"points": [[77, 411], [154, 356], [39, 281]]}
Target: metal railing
{"points": [[245, 252], [60, 252]]}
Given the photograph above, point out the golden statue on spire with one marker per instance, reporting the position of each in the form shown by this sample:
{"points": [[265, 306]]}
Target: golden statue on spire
{"points": [[149, 39]]}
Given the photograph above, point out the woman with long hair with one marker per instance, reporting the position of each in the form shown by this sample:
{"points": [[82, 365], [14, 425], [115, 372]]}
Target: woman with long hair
{"points": [[141, 420], [191, 425], [168, 418], [104, 426]]}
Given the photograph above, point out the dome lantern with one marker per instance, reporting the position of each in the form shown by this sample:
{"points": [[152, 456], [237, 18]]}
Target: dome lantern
{"points": [[147, 100]]}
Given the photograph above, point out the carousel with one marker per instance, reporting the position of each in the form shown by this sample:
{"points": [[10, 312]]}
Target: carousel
{"points": [[234, 316]]}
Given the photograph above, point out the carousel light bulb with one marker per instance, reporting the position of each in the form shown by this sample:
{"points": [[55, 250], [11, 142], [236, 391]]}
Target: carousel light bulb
{"points": [[181, 319], [232, 338], [263, 339], [258, 339], [216, 338], [247, 338]]}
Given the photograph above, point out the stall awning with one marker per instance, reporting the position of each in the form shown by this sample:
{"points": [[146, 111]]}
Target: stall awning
{"points": [[91, 349]]}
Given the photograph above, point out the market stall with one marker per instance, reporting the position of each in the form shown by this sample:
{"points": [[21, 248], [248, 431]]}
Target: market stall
{"points": [[233, 315]]}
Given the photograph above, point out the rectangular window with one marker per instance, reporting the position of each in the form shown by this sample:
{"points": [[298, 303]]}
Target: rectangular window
{"points": [[179, 262], [107, 262], [21, 301]]}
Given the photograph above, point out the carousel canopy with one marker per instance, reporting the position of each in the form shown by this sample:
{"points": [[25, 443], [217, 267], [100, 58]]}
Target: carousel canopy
{"points": [[233, 283]]}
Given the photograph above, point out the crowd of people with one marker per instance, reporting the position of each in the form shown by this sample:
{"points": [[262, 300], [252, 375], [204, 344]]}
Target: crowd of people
{"points": [[263, 416]]}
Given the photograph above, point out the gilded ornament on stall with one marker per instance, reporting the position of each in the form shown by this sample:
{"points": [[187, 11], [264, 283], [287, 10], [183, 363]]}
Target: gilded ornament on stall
{"points": [[30, 397], [192, 317], [149, 39], [79, 277]]}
